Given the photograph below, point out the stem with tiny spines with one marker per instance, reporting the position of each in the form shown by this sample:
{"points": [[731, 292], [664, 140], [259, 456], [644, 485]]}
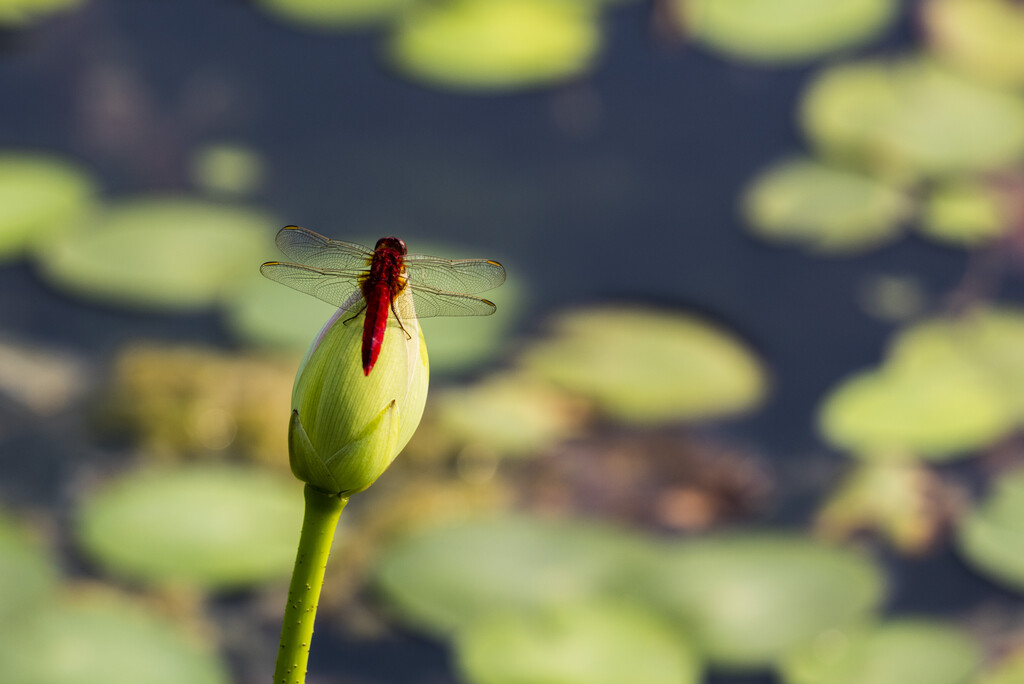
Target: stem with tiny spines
{"points": [[318, 524]]}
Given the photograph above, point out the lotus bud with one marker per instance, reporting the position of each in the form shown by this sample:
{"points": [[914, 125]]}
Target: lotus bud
{"points": [[347, 427]]}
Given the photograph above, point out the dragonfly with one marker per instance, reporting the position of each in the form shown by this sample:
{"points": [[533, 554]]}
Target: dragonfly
{"points": [[357, 279]]}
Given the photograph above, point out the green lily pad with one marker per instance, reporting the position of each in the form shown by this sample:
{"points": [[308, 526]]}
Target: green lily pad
{"points": [[227, 169], [41, 196], [461, 343], [1008, 671], [17, 13], [991, 538], [992, 339], [268, 314], [964, 213], [897, 652], [824, 208], [980, 37], [495, 44], [172, 253], [648, 367], [329, 15], [27, 574], [99, 639], [905, 119], [749, 599], [592, 643], [203, 526], [510, 415], [782, 30], [939, 412], [446, 578]]}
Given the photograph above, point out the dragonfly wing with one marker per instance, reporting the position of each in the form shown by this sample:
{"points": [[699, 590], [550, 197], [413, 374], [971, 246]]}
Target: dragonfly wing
{"points": [[338, 288], [313, 249], [467, 276], [427, 303]]}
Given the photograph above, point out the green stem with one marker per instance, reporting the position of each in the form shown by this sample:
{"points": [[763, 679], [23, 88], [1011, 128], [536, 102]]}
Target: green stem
{"points": [[318, 525]]}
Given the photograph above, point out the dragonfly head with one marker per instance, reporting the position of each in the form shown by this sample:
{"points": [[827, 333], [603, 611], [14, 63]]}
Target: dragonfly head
{"points": [[394, 243]]}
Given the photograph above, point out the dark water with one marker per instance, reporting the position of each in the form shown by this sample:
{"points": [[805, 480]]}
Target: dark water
{"points": [[622, 186]]}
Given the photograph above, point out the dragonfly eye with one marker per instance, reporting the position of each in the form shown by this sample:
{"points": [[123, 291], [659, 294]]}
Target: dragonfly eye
{"points": [[394, 243]]}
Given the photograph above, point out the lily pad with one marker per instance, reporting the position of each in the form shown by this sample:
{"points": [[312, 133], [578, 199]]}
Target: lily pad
{"points": [[227, 169], [782, 30], [269, 314], [964, 213], [826, 209], [203, 526], [17, 13], [27, 574], [510, 415], [41, 196], [897, 652], [172, 253], [905, 119], [591, 643], [98, 639], [983, 38], [446, 578], [992, 339], [991, 538], [495, 44], [748, 599], [329, 15], [939, 412], [648, 367]]}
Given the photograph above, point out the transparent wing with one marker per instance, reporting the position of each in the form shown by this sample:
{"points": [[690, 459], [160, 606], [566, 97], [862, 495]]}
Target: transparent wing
{"points": [[467, 276], [339, 288], [429, 303], [306, 247]]}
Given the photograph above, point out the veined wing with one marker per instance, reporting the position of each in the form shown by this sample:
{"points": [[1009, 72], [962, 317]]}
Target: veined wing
{"points": [[313, 249], [340, 288], [465, 276], [429, 302]]}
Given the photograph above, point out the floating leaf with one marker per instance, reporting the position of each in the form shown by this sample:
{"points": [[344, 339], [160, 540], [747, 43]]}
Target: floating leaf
{"points": [[495, 44], [963, 213], [17, 13], [991, 538], [782, 30], [824, 208], [330, 15], [649, 367], [749, 599], [99, 639], [938, 412], [897, 652], [906, 119], [591, 643], [40, 196], [268, 314], [446, 578], [991, 339], [27, 575], [510, 415], [981, 37], [161, 252], [227, 169], [207, 526]]}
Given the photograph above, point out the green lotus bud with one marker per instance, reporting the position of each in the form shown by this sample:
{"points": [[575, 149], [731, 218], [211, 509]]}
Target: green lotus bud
{"points": [[346, 426]]}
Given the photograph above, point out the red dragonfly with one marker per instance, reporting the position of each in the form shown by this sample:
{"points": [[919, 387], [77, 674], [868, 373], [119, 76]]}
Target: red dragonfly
{"points": [[358, 279]]}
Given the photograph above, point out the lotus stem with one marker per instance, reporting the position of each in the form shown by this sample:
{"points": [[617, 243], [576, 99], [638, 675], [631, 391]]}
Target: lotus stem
{"points": [[318, 524]]}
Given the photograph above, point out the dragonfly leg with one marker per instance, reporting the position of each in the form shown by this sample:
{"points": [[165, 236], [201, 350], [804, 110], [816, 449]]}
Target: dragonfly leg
{"points": [[354, 316], [398, 318]]}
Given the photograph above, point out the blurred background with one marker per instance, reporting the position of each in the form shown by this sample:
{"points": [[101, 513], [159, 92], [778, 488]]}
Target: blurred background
{"points": [[748, 412]]}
